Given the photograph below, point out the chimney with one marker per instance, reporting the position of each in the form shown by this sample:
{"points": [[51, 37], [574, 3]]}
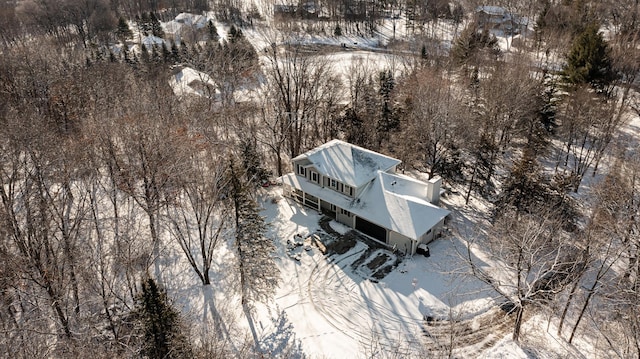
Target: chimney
{"points": [[433, 190]]}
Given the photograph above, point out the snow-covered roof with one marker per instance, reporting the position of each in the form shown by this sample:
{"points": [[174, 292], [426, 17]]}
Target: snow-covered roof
{"points": [[190, 81], [199, 21], [492, 10], [347, 163], [393, 201], [151, 40], [172, 26]]}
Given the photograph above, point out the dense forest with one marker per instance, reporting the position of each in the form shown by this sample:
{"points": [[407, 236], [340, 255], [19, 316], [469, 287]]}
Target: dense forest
{"points": [[103, 166]]}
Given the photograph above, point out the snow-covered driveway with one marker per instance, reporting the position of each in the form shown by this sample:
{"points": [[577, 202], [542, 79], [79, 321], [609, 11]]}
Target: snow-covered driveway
{"points": [[336, 313]]}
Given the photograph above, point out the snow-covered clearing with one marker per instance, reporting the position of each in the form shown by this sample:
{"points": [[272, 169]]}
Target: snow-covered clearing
{"points": [[325, 308], [336, 313]]}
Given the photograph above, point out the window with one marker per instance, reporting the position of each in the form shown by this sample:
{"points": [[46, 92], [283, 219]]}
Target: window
{"points": [[315, 177], [302, 171], [340, 187], [351, 191], [333, 183], [333, 207], [345, 212]]}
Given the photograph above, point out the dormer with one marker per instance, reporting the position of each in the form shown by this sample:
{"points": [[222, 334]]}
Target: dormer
{"points": [[300, 167]]}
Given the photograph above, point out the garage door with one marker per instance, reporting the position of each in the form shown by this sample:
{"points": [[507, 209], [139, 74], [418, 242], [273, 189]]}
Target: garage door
{"points": [[371, 229]]}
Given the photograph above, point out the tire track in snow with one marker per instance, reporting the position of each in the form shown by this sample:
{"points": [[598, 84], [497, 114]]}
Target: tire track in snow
{"points": [[329, 315], [334, 296]]}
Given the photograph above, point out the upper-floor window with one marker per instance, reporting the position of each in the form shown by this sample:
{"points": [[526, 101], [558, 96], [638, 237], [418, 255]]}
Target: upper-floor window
{"points": [[333, 183], [315, 177], [302, 171]]}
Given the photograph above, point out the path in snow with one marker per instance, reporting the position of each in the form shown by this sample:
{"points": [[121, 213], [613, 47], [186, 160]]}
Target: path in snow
{"points": [[332, 285]]}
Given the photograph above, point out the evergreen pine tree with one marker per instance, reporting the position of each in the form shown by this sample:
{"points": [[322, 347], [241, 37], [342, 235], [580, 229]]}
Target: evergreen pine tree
{"points": [[213, 31], [160, 323], [155, 56], [240, 52], [259, 274], [387, 84], [352, 125], [166, 54], [195, 50], [99, 56], [232, 33], [470, 42], [252, 162], [144, 23], [337, 31], [144, 54], [235, 35], [175, 53], [457, 14], [541, 21], [184, 51], [525, 188], [123, 32], [588, 61], [464, 45], [548, 111], [156, 27], [387, 120], [125, 52]]}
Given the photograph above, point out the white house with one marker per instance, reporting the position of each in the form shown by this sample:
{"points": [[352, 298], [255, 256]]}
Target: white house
{"points": [[498, 18], [360, 188]]}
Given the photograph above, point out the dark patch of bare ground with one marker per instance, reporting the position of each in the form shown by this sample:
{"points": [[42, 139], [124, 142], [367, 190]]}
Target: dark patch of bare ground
{"points": [[379, 260]]}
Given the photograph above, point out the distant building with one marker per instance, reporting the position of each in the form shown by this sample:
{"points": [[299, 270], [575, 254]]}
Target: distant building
{"points": [[498, 18], [308, 10], [361, 189]]}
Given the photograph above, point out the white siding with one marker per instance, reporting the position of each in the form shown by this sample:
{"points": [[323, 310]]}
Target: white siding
{"points": [[345, 219], [402, 243]]}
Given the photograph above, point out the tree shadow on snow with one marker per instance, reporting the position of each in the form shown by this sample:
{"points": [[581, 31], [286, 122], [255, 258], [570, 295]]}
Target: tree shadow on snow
{"points": [[282, 341]]}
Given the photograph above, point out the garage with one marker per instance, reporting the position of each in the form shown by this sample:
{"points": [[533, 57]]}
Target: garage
{"points": [[371, 229]]}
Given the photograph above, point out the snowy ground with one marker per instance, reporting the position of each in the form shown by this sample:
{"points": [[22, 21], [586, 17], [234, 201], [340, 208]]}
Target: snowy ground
{"points": [[336, 313], [324, 308]]}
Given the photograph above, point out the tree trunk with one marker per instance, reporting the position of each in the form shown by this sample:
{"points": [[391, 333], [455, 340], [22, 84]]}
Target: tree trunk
{"points": [[55, 303], [68, 246], [473, 178], [156, 246], [103, 289], [279, 162], [584, 309], [566, 307], [518, 324]]}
